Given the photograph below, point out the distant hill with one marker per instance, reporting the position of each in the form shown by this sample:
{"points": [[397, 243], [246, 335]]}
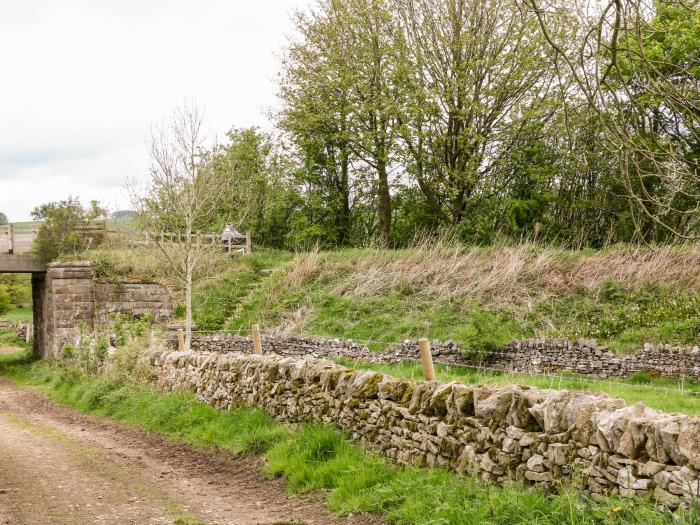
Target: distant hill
{"points": [[122, 214]]}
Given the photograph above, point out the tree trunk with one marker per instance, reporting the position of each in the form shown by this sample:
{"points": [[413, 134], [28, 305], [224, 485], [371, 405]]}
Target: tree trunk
{"points": [[188, 308], [384, 208], [344, 237]]}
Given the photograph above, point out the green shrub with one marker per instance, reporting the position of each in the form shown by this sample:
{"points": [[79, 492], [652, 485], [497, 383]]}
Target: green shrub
{"points": [[486, 332], [69, 351], [179, 311], [101, 349]]}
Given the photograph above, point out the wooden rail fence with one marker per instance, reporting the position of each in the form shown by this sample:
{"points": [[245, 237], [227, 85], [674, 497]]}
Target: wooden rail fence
{"points": [[16, 241]]}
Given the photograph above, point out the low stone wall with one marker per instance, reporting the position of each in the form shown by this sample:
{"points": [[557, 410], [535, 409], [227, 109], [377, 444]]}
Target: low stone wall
{"points": [[495, 433], [588, 358], [583, 356]]}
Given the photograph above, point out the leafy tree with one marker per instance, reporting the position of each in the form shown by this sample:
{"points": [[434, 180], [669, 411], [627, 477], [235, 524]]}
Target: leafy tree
{"points": [[3, 219], [472, 75], [635, 64], [64, 227], [5, 303], [337, 94], [19, 288], [257, 191]]}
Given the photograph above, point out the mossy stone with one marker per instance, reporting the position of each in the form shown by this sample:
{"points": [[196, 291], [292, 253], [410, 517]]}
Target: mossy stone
{"points": [[437, 405], [407, 395], [370, 389]]}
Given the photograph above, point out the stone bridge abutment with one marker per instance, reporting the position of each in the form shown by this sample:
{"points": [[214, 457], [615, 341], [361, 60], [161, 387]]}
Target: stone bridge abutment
{"points": [[67, 297]]}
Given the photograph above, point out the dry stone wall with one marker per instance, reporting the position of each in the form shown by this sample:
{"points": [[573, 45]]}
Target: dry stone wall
{"points": [[583, 356], [540, 436]]}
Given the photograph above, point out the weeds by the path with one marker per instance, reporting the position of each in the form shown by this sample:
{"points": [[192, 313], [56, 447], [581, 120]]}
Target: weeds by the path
{"points": [[313, 456]]}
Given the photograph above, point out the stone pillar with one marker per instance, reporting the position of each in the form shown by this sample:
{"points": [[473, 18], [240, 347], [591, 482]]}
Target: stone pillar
{"points": [[69, 302], [39, 300]]}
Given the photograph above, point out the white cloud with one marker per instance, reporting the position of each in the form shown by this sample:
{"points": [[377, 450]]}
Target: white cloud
{"points": [[81, 82]]}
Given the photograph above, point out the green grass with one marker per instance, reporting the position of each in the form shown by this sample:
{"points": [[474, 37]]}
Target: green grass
{"points": [[481, 298], [393, 295], [179, 416], [22, 313], [216, 300], [8, 337], [663, 394], [313, 456]]}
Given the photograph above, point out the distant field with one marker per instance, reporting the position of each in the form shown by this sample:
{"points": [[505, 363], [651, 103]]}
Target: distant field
{"points": [[112, 224], [25, 227]]}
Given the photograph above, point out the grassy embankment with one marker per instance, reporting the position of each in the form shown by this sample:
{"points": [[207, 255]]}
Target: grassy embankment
{"points": [[313, 456], [479, 297], [483, 298]]}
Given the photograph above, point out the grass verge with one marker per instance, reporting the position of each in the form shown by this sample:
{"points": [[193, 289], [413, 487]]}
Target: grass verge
{"points": [[313, 456]]}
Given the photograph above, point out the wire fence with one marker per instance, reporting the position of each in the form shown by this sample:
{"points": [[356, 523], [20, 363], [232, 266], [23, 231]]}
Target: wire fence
{"points": [[567, 379]]}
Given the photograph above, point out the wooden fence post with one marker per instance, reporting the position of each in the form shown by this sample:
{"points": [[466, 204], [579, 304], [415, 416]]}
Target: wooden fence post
{"points": [[427, 359], [181, 340], [248, 243], [257, 341], [11, 245]]}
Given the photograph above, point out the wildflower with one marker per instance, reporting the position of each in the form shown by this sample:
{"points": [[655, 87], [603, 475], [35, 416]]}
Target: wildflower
{"points": [[617, 509]]}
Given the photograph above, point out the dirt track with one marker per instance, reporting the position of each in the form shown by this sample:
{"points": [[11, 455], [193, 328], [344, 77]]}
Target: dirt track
{"points": [[61, 467]]}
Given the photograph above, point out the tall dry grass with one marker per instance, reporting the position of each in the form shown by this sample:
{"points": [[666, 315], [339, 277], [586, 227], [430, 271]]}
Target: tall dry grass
{"points": [[500, 274]]}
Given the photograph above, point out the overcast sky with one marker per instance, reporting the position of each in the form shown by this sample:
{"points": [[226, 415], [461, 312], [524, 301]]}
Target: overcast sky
{"points": [[81, 82]]}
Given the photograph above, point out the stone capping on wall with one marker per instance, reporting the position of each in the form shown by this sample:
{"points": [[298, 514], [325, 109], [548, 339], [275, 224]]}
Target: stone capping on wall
{"points": [[494, 433], [532, 356]]}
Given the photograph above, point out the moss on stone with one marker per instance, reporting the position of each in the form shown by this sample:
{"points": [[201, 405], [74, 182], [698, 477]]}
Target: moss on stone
{"points": [[407, 395], [370, 389], [464, 401], [273, 372], [437, 405], [331, 377]]}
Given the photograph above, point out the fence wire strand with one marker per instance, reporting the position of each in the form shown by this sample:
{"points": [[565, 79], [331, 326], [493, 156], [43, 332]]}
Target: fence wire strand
{"points": [[551, 378]]}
